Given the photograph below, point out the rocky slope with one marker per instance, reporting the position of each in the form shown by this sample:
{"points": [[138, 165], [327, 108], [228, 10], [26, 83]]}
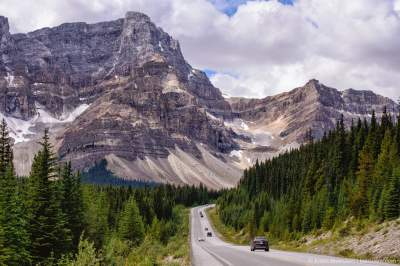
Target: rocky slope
{"points": [[122, 91], [314, 106], [281, 122], [133, 95]]}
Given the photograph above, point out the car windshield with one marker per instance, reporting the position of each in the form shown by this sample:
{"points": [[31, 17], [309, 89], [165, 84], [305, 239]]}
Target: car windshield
{"points": [[260, 238]]}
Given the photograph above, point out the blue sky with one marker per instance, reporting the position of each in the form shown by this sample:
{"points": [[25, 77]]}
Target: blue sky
{"points": [[230, 7]]}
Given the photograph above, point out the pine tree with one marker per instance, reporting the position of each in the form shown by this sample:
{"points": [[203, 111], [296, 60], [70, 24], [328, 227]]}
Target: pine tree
{"points": [[130, 225], [14, 239], [48, 235], [329, 218], [361, 200], [72, 204], [391, 199], [6, 155], [96, 215]]}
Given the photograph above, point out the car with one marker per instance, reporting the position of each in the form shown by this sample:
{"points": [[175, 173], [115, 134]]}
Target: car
{"points": [[201, 215], [259, 242], [206, 228], [209, 234], [201, 239]]}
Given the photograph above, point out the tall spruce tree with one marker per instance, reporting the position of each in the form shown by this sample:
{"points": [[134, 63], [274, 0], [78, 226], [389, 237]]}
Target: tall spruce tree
{"points": [[14, 239], [361, 198], [72, 204], [48, 235], [391, 199], [130, 225]]}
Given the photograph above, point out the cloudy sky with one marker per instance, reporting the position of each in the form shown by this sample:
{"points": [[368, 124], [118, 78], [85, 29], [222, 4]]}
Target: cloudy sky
{"points": [[257, 48]]}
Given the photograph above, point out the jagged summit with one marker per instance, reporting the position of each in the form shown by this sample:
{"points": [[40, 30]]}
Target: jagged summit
{"points": [[137, 16], [122, 91], [4, 27], [119, 90]]}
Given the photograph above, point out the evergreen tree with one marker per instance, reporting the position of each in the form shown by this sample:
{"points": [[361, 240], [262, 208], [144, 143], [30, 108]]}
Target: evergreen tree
{"points": [[364, 179], [130, 225], [14, 238], [391, 199], [324, 182], [48, 235], [6, 155], [72, 204]]}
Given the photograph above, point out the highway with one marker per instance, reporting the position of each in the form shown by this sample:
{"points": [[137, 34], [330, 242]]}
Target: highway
{"points": [[214, 252]]}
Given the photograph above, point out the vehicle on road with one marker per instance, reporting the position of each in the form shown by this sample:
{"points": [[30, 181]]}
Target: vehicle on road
{"points": [[201, 215], [206, 228], [209, 234], [201, 239], [259, 242]]}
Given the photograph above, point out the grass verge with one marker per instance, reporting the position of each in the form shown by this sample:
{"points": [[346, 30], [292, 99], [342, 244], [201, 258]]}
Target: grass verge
{"points": [[318, 242], [226, 233]]}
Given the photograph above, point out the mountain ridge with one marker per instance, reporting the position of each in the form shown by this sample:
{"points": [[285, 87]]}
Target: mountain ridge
{"points": [[122, 91]]}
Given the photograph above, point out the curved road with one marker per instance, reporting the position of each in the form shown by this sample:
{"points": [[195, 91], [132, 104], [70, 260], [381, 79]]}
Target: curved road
{"points": [[214, 252]]}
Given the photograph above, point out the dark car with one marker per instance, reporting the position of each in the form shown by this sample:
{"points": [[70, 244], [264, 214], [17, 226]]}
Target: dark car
{"points": [[209, 234], [201, 215], [259, 242]]}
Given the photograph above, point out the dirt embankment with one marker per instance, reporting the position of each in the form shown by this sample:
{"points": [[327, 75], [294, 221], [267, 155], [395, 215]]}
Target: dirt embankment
{"points": [[376, 242]]}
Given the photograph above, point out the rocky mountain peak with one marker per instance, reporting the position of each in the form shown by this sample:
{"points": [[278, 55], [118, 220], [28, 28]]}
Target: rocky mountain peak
{"points": [[312, 83], [122, 91], [4, 27], [136, 16], [4, 33]]}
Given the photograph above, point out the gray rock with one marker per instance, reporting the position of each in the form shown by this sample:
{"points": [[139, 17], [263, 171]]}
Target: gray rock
{"points": [[146, 100]]}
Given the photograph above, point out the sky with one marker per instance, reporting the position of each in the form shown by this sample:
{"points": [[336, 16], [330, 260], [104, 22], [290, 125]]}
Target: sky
{"points": [[257, 48]]}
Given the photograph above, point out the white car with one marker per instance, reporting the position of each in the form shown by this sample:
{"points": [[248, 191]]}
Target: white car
{"points": [[201, 239]]}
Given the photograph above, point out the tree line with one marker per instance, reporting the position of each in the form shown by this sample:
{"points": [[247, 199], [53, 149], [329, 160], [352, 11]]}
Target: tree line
{"points": [[51, 218], [349, 173]]}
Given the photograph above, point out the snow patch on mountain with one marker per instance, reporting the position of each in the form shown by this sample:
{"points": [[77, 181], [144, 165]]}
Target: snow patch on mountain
{"points": [[69, 117], [22, 130], [18, 128]]}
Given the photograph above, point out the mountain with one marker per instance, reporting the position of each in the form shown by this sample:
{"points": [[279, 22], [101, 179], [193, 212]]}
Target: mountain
{"points": [[122, 91]]}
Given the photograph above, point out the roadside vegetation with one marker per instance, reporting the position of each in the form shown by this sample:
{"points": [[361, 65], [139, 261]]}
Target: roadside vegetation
{"points": [[346, 184], [51, 218], [225, 232]]}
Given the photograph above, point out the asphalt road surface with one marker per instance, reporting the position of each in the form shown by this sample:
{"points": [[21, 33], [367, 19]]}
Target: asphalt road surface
{"points": [[215, 252]]}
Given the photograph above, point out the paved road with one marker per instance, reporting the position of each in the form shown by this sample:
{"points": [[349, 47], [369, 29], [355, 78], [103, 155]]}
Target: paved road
{"points": [[215, 252]]}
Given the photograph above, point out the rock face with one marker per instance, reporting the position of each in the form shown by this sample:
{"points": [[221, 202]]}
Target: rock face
{"points": [[138, 95], [316, 107], [122, 91]]}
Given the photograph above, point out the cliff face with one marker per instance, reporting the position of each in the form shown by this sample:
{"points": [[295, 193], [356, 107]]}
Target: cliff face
{"points": [[119, 88], [122, 91], [314, 106], [64, 66]]}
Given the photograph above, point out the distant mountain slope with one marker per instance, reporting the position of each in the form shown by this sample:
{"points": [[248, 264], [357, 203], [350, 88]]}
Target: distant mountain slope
{"points": [[122, 91], [314, 106]]}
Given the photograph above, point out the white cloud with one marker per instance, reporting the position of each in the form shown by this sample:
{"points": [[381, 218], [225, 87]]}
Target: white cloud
{"points": [[266, 47]]}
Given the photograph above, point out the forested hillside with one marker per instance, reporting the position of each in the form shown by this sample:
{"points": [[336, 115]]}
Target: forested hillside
{"points": [[50, 218], [352, 173]]}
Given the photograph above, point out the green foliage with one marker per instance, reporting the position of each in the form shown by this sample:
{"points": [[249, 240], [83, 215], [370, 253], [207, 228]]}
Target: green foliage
{"points": [[391, 199], [49, 218], [47, 227], [72, 204], [14, 238], [86, 256], [130, 225], [321, 184]]}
